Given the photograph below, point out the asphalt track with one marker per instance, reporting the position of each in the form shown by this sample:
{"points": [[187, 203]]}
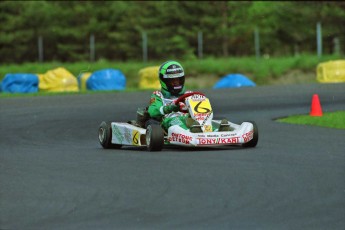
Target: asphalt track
{"points": [[55, 175]]}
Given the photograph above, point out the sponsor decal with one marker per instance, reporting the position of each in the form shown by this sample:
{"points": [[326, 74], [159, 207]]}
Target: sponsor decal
{"points": [[122, 134], [218, 141], [174, 70], [213, 135], [135, 137], [152, 100], [248, 136], [117, 133], [173, 75], [128, 135], [206, 118], [228, 135], [177, 137], [198, 97], [200, 116], [208, 128]]}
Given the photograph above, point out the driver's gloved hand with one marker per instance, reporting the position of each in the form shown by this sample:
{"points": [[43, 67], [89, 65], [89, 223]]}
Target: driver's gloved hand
{"points": [[170, 108], [183, 107]]}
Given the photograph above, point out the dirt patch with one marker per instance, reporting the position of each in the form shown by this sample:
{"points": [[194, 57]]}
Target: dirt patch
{"points": [[293, 77], [201, 82]]}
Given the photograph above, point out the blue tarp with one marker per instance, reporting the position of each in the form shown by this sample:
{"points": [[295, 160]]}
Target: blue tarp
{"points": [[234, 81], [106, 79], [20, 83]]}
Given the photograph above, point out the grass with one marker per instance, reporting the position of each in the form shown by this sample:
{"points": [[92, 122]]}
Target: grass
{"points": [[330, 120]]}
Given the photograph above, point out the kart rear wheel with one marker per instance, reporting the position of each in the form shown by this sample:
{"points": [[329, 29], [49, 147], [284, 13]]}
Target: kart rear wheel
{"points": [[253, 142], [105, 136], [154, 137]]}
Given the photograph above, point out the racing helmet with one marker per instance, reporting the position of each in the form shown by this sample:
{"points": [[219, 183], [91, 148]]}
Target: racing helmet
{"points": [[171, 77]]}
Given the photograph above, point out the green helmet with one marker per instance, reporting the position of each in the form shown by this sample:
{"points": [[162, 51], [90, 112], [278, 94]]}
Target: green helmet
{"points": [[171, 77]]}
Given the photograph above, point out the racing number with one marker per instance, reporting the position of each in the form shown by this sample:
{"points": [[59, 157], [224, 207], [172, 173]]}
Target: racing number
{"points": [[135, 137], [200, 109]]}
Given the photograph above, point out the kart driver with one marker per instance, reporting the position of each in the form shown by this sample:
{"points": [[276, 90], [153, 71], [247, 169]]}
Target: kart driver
{"points": [[162, 106]]}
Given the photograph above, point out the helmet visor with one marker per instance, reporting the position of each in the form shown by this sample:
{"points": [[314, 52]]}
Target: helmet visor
{"points": [[174, 85]]}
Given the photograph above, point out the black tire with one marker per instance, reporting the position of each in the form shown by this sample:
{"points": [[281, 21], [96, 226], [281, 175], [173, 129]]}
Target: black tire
{"points": [[154, 137], [151, 122], [105, 136], [253, 142]]}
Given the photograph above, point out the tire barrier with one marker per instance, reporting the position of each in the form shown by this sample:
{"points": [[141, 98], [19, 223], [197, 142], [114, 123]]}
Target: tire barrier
{"points": [[58, 80], [106, 79], [61, 80], [148, 78], [331, 71], [234, 81], [20, 83]]}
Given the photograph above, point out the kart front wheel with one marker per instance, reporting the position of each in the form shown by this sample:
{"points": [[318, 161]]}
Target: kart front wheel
{"points": [[154, 137], [253, 142], [105, 136]]}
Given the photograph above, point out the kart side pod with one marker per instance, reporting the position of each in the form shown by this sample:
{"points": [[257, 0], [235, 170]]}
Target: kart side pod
{"points": [[115, 134]]}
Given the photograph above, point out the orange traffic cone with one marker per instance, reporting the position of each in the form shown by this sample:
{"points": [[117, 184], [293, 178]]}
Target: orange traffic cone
{"points": [[315, 109]]}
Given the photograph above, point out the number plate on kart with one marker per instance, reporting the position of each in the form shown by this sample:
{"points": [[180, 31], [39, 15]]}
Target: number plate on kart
{"points": [[200, 110]]}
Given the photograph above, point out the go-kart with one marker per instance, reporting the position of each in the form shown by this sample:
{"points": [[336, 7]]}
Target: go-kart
{"points": [[139, 132]]}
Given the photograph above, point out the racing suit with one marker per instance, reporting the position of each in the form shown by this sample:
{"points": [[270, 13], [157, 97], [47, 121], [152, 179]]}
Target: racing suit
{"points": [[155, 109]]}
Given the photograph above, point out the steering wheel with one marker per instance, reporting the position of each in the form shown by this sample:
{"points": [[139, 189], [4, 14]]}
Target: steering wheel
{"points": [[183, 97]]}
